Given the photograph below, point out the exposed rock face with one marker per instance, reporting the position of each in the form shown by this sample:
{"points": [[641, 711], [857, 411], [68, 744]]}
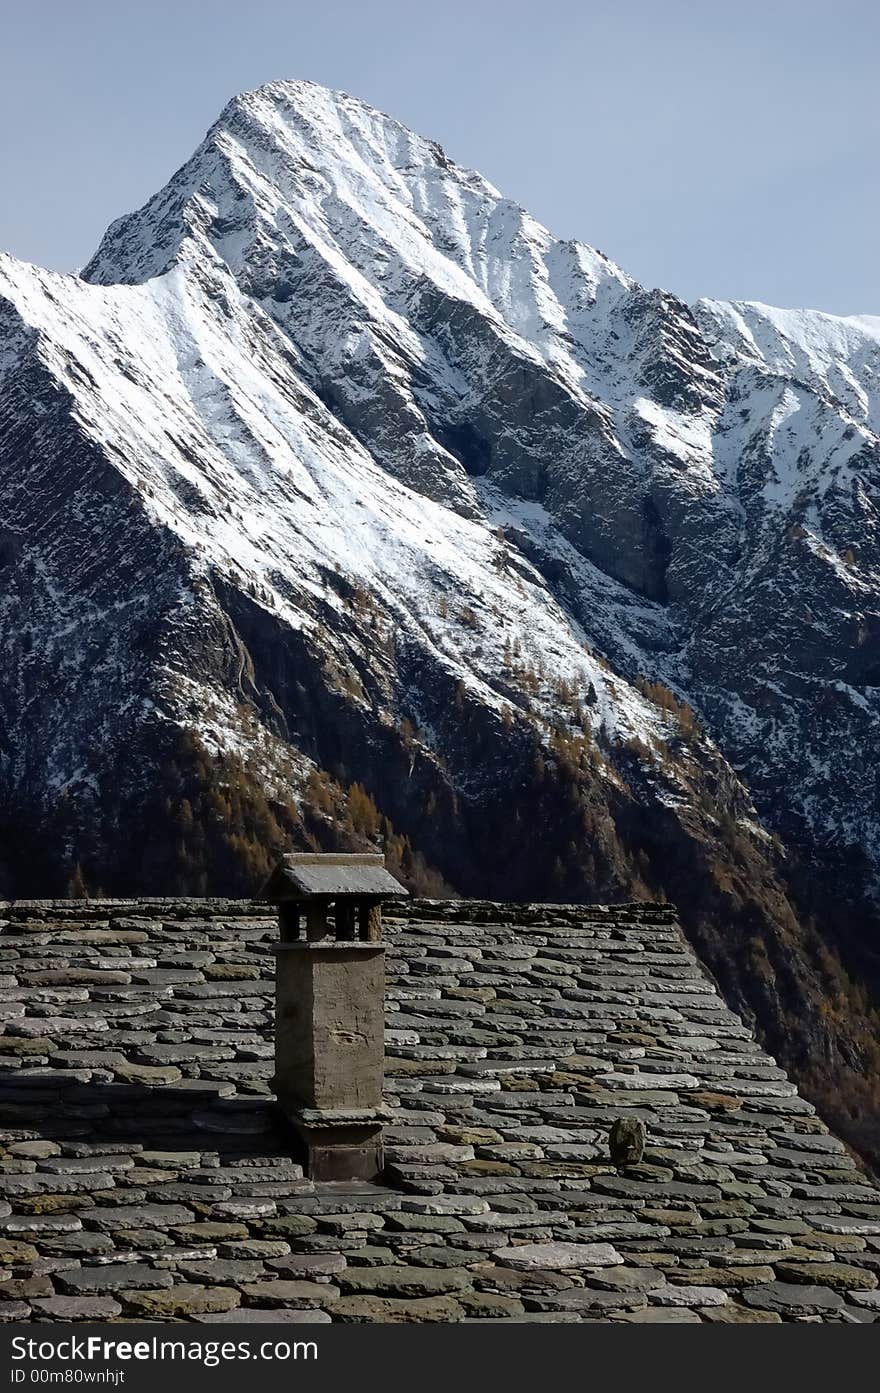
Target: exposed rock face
{"points": [[334, 458]]}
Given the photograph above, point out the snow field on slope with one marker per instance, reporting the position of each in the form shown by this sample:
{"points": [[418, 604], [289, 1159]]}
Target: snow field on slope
{"points": [[256, 479]]}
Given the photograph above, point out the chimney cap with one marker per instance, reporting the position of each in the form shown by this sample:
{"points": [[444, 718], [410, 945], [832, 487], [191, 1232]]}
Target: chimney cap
{"points": [[313, 875]]}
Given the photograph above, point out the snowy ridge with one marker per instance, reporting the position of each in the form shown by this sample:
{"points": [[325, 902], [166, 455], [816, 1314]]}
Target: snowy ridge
{"points": [[837, 354], [278, 488]]}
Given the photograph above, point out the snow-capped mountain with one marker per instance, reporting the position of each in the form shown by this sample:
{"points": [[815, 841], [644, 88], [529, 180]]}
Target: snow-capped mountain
{"points": [[333, 459]]}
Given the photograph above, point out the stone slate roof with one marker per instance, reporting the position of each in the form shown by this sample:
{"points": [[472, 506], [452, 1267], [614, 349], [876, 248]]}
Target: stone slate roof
{"points": [[142, 1175]]}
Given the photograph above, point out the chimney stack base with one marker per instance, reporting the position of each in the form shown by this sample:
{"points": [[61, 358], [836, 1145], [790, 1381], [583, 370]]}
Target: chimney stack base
{"points": [[339, 1145]]}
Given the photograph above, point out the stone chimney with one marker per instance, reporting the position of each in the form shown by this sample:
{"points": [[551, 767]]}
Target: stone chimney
{"points": [[330, 1008]]}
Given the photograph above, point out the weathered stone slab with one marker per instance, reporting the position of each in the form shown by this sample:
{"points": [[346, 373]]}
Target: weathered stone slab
{"points": [[11, 1311], [112, 1277], [181, 1300], [40, 1224], [869, 1299], [689, 1296], [147, 1073], [589, 1300], [558, 1256], [838, 1276], [793, 1299], [404, 1280], [273, 1315], [318, 1265], [59, 1026], [661, 1315], [76, 1307], [291, 1293], [445, 1204], [396, 1311], [136, 1216], [220, 1271]]}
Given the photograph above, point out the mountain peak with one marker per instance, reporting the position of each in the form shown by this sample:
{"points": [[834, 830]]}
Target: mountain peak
{"points": [[301, 96], [277, 154]]}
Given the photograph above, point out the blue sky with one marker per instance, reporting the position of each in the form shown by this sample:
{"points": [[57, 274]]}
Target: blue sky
{"points": [[713, 148]]}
